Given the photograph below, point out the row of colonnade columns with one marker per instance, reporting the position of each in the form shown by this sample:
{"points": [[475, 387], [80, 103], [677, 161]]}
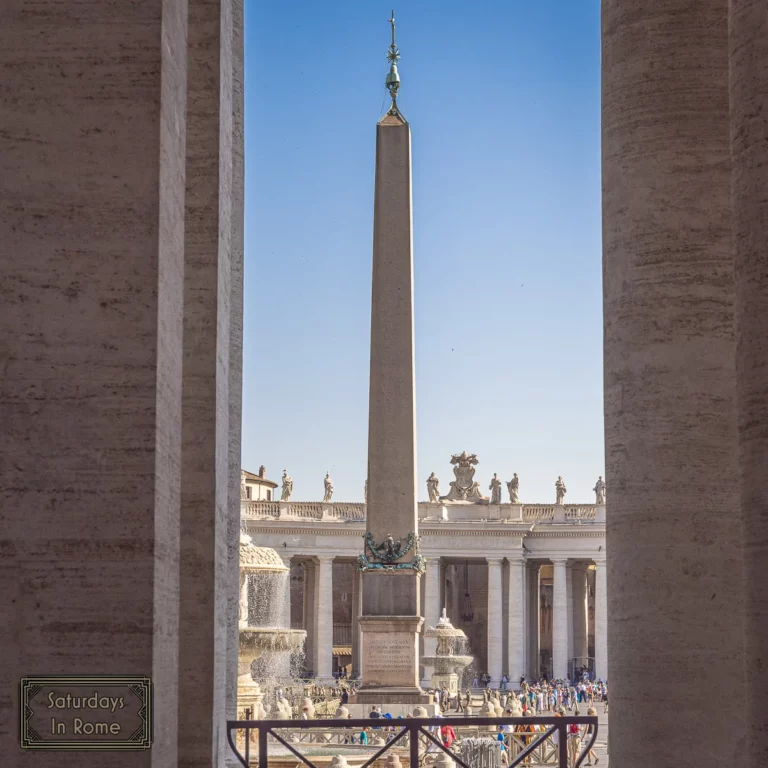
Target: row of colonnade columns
{"points": [[512, 639]]}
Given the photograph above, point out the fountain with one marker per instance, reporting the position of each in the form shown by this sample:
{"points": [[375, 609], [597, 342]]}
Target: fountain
{"points": [[446, 663], [266, 641]]}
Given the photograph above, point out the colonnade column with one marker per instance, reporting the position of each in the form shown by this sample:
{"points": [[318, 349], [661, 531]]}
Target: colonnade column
{"points": [[495, 620], [287, 606], [670, 361], [310, 615], [324, 618], [569, 579], [432, 607], [601, 621], [516, 620], [580, 613], [533, 620], [357, 605], [559, 620]]}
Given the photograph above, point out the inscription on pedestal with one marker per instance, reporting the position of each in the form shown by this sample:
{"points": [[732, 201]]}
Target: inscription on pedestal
{"points": [[389, 659]]}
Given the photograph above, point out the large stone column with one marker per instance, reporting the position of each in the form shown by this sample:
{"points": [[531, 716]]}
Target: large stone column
{"points": [[670, 418], [569, 578], [749, 138], [580, 614], [601, 621], [102, 407], [324, 618], [516, 620], [310, 615], [534, 619], [495, 620], [357, 605], [432, 608], [559, 620]]}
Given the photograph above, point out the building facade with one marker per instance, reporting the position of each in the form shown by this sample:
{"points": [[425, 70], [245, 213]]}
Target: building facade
{"points": [[526, 582]]}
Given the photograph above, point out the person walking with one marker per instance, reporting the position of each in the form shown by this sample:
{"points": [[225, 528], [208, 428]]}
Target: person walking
{"points": [[592, 712], [574, 741]]}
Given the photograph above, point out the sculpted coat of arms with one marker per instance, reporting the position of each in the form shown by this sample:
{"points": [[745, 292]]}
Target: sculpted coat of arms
{"points": [[464, 487]]}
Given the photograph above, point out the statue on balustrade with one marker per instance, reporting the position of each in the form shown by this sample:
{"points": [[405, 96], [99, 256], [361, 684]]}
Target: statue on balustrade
{"points": [[328, 488], [495, 489], [243, 491], [560, 491], [464, 487], [287, 486], [432, 488], [599, 490], [513, 486], [365, 491]]}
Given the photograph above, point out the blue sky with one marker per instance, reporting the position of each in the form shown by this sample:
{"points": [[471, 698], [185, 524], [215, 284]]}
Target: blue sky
{"points": [[503, 100]]}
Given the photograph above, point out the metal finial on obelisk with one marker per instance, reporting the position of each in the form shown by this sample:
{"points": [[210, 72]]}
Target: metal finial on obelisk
{"points": [[393, 78]]}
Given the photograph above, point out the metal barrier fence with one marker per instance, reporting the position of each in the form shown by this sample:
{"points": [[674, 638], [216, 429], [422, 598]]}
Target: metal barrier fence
{"points": [[414, 730]]}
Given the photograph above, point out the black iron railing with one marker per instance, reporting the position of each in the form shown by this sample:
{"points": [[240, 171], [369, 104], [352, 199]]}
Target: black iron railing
{"points": [[413, 730]]}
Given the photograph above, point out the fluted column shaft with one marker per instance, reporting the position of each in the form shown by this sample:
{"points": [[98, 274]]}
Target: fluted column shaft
{"points": [[495, 620], [324, 618], [559, 620]]}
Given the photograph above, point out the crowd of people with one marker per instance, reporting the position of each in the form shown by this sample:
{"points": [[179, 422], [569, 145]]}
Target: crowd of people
{"points": [[527, 699]]}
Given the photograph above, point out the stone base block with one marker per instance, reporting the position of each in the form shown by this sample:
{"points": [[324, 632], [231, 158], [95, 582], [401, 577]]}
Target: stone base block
{"points": [[410, 697], [449, 681], [390, 656]]}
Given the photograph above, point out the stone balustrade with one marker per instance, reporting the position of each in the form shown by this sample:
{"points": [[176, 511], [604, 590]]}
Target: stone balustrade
{"points": [[355, 512], [303, 510]]}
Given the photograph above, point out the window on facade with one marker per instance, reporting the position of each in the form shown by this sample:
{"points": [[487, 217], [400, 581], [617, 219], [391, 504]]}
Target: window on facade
{"points": [[247, 492]]}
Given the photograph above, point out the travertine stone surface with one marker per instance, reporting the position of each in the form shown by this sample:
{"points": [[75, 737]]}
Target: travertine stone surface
{"points": [[601, 621], [91, 258], [675, 596], [495, 623], [579, 610], [560, 628], [205, 505], [324, 618], [749, 146], [516, 620]]}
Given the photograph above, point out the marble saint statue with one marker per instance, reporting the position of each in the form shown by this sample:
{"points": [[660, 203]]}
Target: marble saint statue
{"points": [[287, 486], [495, 489], [513, 486], [365, 491], [599, 490], [243, 491], [328, 488], [560, 491], [432, 488]]}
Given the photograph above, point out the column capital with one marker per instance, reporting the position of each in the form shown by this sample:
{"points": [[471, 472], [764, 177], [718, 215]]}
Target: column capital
{"points": [[559, 561], [494, 560], [323, 559]]}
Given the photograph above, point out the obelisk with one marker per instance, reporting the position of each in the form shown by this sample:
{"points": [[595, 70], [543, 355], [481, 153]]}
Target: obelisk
{"points": [[391, 562]]}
